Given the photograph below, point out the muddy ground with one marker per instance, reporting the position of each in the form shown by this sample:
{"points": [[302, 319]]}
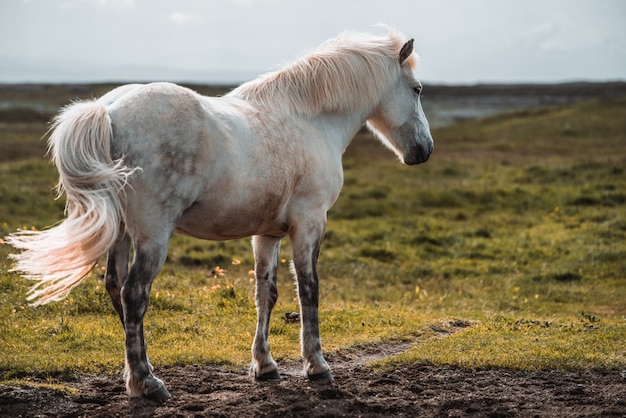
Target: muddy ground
{"points": [[358, 391]]}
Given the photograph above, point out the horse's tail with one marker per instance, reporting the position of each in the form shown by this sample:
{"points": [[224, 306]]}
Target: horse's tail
{"points": [[59, 258]]}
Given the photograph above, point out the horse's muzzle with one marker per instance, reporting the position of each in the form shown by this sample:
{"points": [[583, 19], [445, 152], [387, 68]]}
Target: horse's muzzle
{"points": [[418, 154]]}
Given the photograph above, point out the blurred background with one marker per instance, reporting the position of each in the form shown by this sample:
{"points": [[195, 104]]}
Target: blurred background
{"points": [[230, 41]]}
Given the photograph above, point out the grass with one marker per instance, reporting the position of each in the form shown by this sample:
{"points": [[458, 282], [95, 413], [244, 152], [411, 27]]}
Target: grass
{"points": [[574, 343], [57, 387], [517, 226]]}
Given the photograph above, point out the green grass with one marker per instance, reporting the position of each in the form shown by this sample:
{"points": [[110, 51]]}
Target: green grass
{"points": [[573, 343], [517, 225], [57, 387]]}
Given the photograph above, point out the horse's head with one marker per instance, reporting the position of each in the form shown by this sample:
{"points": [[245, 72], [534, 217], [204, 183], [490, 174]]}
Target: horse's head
{"points": [[399, 119]]}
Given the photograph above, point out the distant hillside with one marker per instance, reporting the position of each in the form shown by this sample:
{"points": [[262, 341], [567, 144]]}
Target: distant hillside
{"points": [[443, 104], [448, 104]]}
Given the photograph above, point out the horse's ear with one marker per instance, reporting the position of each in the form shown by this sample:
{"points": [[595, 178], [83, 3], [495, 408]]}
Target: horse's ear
{"points": [[406, 51]]}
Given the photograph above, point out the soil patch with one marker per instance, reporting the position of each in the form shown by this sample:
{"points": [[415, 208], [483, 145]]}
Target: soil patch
{"points": [[358, 391]]}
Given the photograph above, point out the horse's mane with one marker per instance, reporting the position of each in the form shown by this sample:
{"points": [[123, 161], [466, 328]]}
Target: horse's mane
{"points": [[352, 68]]}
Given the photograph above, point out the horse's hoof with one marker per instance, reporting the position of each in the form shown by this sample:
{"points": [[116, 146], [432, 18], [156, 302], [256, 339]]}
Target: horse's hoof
{"points": [[324, 377], [159, 395], [154, 389], [271, 376]]}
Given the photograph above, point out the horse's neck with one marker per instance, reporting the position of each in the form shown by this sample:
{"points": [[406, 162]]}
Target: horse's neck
{"points": [[340, 127]]}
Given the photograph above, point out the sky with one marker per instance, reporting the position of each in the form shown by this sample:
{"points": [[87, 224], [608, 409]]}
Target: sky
{"points": [[230, 41]]}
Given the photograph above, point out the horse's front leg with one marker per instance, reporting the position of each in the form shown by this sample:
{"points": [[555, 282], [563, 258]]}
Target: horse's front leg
{"points": [[306, 241], [266, 250], [140, 382]]}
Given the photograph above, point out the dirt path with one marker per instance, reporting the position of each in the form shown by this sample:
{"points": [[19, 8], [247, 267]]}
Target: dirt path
{"points": [[410, 391]]}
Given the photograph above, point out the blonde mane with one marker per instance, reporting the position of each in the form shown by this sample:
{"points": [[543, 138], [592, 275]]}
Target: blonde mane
{"points": [[350, 69]]}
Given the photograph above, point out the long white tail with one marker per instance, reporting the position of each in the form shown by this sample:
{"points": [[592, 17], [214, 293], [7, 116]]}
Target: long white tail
{"points": [[59, 258]]}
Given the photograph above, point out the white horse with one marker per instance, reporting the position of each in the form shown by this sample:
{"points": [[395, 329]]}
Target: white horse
{"points": [[145, 161]]}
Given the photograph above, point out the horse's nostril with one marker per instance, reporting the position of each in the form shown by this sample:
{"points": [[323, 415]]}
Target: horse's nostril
{"points": [[423, 152]]}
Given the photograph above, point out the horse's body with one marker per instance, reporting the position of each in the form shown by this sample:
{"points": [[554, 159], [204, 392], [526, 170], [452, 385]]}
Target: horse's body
{"points": [[222, 177], [145, 161]]}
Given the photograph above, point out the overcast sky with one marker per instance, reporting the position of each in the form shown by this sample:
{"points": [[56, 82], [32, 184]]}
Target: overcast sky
{"points": [[223, 41]]}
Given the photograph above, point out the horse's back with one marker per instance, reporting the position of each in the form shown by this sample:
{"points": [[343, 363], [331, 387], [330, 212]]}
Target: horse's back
{"points": [[153, 105]]}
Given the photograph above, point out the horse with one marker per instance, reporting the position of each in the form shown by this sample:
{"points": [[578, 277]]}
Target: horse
{"points": [[145, 161]]}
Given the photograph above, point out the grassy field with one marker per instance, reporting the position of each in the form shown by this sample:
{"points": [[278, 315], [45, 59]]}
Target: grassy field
{"points": [[513, 236]]}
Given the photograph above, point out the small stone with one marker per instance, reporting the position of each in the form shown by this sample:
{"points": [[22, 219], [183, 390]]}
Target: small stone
{"points": [[292, 317]]}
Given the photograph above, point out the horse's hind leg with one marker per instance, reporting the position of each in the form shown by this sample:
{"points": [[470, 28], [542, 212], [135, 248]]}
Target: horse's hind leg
{"points": [[149, 258], [266, 249], [116, 273]]}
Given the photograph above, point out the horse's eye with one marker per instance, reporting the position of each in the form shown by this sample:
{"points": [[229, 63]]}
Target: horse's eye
{"points": [[417, 90]]}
